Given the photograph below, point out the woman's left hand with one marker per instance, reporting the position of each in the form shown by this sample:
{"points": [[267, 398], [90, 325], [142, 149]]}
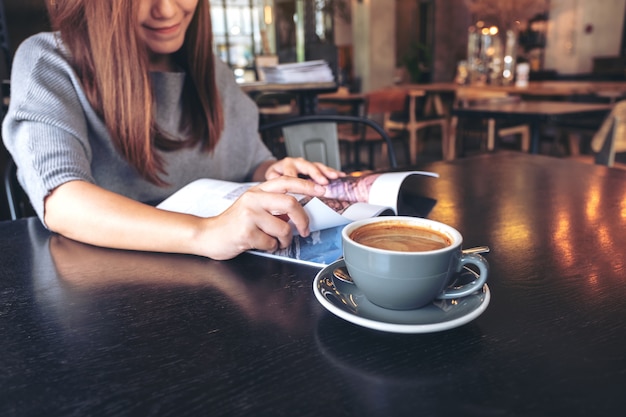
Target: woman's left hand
{"points": [[293, 167]]}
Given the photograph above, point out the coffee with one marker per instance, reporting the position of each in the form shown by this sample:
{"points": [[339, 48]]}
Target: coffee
{"points": [[415, 265], [400, 236]]}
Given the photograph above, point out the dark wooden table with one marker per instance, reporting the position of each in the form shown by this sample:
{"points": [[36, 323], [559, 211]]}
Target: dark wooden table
{"points": [[95, 332], [564, 89], [306, 92], [535, 113], [343, 97]]}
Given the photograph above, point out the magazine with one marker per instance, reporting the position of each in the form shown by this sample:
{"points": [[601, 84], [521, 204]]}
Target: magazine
{"points": [[347, 199], [299, 72]]}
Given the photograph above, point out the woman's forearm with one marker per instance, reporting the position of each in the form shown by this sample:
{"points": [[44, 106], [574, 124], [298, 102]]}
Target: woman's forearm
{"points": [[90, 214]]}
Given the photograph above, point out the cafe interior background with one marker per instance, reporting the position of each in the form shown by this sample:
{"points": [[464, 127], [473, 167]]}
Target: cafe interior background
{"points": [[371, 44]]}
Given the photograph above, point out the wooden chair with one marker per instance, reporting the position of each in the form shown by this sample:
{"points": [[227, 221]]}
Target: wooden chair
{"points": [[380, 106], [275, 106], [315, 137], [611, 137], [417, 119], [468, 96], [576, 133]]}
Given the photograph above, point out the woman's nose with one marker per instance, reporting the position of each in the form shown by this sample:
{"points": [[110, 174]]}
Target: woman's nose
{"points": [[163, 9]]}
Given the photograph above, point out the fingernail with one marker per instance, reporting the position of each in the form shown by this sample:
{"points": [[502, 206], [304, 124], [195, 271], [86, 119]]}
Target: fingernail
{"points": [[320, 188]]}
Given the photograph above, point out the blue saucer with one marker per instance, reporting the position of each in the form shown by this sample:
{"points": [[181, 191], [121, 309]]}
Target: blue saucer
{"points": [[348, 302]]}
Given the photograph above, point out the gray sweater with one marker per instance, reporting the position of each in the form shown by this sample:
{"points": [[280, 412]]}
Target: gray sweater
{"points": [[55, 136]]}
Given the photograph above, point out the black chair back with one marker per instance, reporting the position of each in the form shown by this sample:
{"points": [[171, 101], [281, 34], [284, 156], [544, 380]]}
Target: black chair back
{"points": [[336, 118], [5, 47], [4, 34], [4, 37], [18, 203]]}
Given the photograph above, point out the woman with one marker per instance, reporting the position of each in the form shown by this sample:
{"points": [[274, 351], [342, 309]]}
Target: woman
{"points": [[126, 104]]}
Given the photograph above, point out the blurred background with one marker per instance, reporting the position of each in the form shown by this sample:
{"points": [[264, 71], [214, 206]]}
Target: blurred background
{"points": [[379, 42]]}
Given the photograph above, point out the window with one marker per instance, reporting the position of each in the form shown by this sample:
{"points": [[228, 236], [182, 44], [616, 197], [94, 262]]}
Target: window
{"points": [[237, 31]]}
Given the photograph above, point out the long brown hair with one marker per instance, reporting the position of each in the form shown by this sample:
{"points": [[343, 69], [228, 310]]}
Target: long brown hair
{"points": [[112, 63]]}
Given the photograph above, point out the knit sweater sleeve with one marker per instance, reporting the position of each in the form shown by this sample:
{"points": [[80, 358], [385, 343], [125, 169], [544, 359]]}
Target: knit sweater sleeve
{"points": [[41, 130], [55, 136]]}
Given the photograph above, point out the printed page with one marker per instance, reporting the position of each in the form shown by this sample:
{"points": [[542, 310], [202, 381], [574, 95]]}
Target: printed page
{"points": [[352, 198], [346, 199], [378, 188], [320, 248], [323, 214], [357, 197], [205, 197]]}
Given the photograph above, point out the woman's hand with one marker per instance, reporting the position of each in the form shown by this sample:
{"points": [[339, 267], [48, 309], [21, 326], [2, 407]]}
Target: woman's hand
{"points": [[292, 167], [258, 219]]}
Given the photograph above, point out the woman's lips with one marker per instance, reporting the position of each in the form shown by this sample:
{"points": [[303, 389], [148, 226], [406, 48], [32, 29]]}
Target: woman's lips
{"points": [[164, 30]]}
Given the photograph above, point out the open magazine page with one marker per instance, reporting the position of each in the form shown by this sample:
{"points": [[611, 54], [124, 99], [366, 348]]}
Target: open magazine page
{"points": [[357, 197], [320, 248], [349, 198], [205, 197], [328, 213], [378, 188]]}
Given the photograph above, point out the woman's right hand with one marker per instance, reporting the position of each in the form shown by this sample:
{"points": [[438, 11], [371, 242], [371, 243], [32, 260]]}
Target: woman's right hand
{"points": [[258, 219]]}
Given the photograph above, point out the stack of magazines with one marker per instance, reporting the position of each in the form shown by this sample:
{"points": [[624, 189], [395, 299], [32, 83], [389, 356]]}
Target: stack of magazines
{"points": [[299, 72]]}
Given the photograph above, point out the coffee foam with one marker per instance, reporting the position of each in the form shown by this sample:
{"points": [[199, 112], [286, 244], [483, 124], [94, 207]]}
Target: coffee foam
{"points": [[400, 236]]}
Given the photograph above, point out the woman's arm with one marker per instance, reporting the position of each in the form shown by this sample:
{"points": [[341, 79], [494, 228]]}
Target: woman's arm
{"points": [[87, 213]]}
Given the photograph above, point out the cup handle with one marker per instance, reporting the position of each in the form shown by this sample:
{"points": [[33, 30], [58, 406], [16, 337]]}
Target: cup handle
{"points": [[469, 288]]}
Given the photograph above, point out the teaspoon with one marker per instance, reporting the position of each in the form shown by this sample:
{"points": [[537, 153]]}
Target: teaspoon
{"points": [[477, 249]]}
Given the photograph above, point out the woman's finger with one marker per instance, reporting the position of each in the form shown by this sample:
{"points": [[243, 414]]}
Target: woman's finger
{"points": [[274, 209], [282, 207], [293, 167], [279, 230], [292, 185], [321, 173]]}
